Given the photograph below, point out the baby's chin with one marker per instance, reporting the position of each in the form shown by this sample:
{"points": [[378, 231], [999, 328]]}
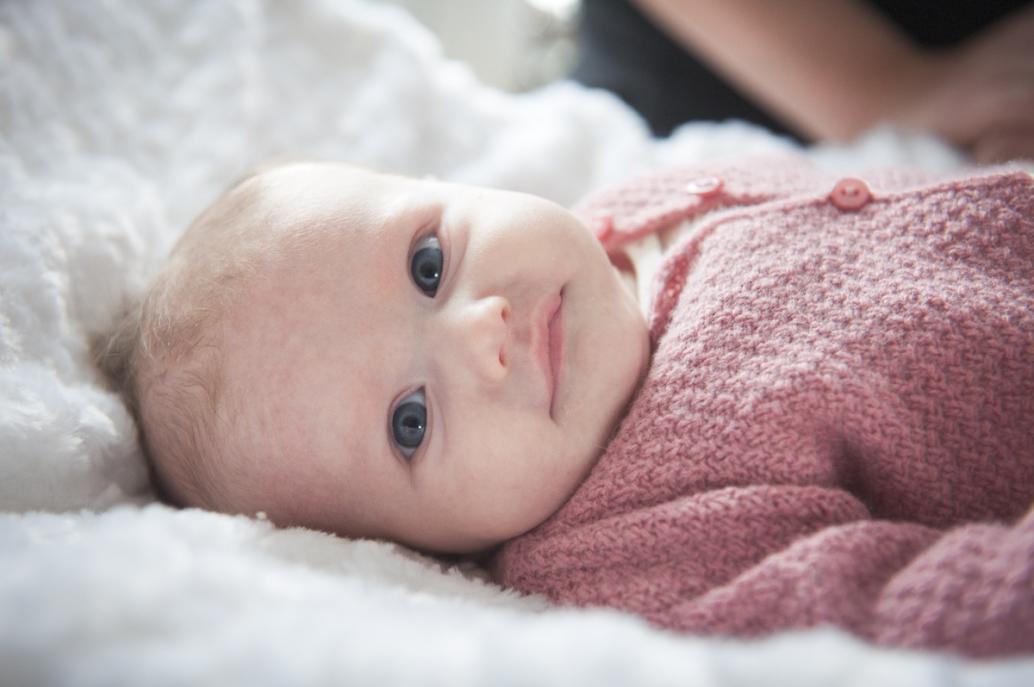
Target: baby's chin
{"points": [[627, 364]]}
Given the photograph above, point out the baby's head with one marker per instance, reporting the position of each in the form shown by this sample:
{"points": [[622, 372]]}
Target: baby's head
{"points": [[374, 356]]}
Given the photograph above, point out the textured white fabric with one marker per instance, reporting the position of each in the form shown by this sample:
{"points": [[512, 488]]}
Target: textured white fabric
{"points": [[119, 121]]}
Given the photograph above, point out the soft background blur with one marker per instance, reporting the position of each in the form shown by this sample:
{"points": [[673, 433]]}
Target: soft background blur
{"points": [[119, 121], [516, 45]]}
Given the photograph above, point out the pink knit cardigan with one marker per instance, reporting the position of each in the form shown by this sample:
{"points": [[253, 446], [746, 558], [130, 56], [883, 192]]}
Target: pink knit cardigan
{"points": [[838, 422]]}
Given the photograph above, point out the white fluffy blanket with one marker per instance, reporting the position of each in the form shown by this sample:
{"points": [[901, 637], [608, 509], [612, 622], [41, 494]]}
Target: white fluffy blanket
{"points": [[119, 121]]}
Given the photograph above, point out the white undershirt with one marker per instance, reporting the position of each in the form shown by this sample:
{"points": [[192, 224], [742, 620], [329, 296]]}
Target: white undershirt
{"points": [[646, 254]]}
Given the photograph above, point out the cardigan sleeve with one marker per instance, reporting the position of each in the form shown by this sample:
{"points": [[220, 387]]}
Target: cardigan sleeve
{"points": [[794, 557]]}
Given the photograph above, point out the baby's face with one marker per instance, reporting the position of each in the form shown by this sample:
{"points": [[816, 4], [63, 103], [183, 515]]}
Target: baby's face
{"points": [[432, 363]]}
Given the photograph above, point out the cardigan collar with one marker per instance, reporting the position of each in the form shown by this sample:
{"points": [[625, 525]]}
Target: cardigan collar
{"points": [[624, 212]]}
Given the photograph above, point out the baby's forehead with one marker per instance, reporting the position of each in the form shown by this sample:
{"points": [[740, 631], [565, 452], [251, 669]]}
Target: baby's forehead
{"points": [[313, 182], [262, 208], [304, 216], [301, 198]]}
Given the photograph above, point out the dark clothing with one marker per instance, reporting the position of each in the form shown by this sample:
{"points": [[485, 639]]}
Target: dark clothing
{"points": [[621, 50]]}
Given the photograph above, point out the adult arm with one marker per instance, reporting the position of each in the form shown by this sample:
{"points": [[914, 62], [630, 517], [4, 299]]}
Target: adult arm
{"points": [[837, 67]]}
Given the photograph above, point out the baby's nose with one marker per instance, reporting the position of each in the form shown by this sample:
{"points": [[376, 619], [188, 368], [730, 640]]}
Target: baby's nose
{"points": [[484, 332]]}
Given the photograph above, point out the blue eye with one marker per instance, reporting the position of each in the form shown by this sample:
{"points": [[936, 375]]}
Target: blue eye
{"points": [[425, 265], [409, 422]]}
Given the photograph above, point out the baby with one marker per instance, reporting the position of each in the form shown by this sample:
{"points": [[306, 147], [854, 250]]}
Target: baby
{"points": [[377, 356], [825, 417]]}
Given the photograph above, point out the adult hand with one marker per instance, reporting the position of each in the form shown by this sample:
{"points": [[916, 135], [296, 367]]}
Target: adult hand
{"points": [[981, 95]]}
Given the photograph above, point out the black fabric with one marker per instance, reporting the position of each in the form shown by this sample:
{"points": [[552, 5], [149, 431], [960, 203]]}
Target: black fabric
{"points": [[623, 51]]}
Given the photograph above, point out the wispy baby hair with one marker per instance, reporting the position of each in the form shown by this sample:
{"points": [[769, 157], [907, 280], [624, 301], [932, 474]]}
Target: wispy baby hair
{"points": [[165, 355]]}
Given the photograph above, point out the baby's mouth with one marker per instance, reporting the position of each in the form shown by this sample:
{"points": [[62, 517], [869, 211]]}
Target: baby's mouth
{"points": [[556, 336]]}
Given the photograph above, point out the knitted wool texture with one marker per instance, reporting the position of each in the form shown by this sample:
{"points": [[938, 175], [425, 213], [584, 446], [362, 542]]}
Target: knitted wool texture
{"points": [[837, 425]]}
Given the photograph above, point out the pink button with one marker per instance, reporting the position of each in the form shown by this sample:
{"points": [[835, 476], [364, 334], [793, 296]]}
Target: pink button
{"points": [[602, 227], [704, 186], [850, 194]]}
